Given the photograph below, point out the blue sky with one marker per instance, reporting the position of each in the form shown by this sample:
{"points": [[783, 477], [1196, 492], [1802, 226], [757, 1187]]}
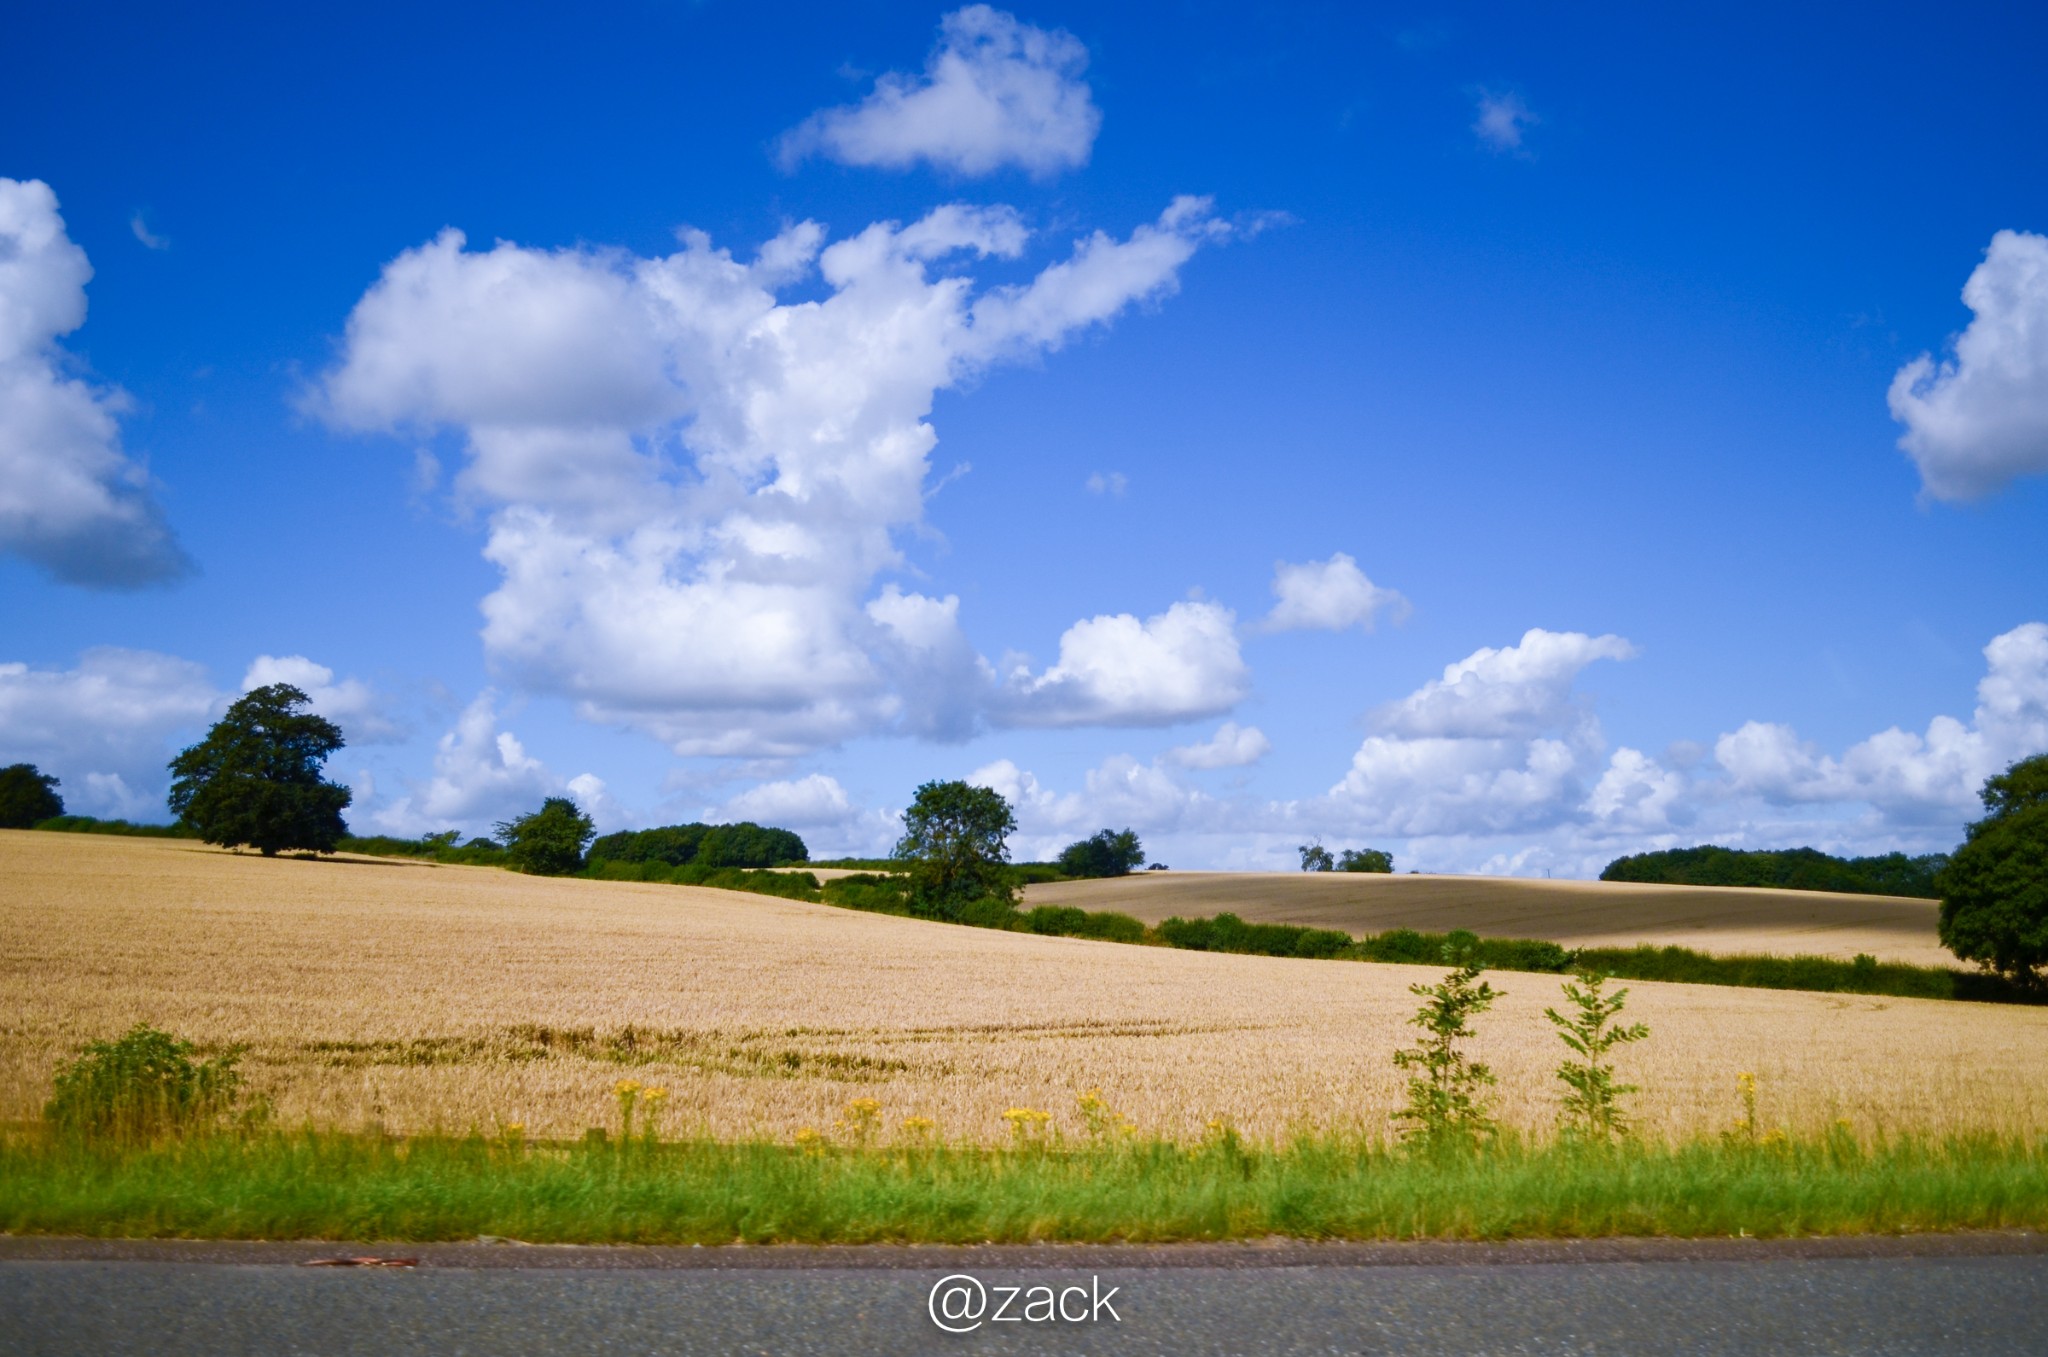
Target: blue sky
{"points": [[1510, 439]]}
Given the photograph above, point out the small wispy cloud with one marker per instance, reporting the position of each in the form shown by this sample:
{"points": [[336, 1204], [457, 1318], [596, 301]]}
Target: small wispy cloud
{"points": [[148, 237], [1108, 483], [1503, 121]]}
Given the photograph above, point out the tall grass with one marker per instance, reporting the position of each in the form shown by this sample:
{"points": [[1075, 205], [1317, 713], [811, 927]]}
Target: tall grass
{"points": [[330, 1186]]}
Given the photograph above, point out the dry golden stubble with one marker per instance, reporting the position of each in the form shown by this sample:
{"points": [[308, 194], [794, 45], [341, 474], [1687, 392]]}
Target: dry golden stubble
{"points": [[415, 997]]}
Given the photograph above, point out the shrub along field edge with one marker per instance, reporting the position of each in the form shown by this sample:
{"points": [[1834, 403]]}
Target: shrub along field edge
{"points": [[274, 1185]]}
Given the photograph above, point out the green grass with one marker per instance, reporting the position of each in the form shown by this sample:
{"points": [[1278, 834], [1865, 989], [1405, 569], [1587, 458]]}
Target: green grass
{"points": [[330, 1186]]}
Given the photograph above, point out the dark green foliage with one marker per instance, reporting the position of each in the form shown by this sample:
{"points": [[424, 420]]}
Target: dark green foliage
{"points": [[1316, 858], [745, 844], [788, 885], [955, 846], [877, 893], [1796, 869], [86, 824], [1592, 1111], [549, 841], [255, 778], [1446, 1108], [143, 1085], [2019, 787], [1365, 860], [1064, 921], [1228, 933], [1107, 852], [1994, 891], [1034, 873], [28, 797]]}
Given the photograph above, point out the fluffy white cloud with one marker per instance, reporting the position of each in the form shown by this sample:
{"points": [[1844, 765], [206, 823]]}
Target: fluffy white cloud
{"points": [[1909, 778], [1232, 746], [481, 775], [694, 485], [1503, 120], [1328, 596], [800, 802], [349, 703], [994, 92], [1514, 691], [1116, 670], [1979, 419], [1495, 745], [106, 728], [70, 500]]}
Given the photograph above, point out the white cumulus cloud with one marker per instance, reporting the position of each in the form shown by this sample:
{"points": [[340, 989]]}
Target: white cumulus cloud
{"points": [[1909, 777], [994, 92], [70, 499], [1232, 746], [1116, 670], [815, 799], [105, 728], [694, 486], [1328, 596], [482, 775], [1979, 419], [1496, 744]]}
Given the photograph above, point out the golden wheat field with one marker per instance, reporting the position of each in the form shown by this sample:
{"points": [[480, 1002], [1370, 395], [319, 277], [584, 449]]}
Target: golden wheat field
{"points": [[415, 996], [1717, 919]]}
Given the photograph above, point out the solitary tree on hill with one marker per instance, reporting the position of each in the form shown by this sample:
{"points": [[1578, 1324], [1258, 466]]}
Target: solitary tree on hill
{"points": [[550, 841], [255, 778], [955, 842], [28, 796]]}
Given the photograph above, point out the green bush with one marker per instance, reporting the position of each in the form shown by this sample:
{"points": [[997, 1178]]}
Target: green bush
{"points": [[876, 893], [1065, 921], [549, 841], [1365, 860], [1107, 852], [143, 1085]]}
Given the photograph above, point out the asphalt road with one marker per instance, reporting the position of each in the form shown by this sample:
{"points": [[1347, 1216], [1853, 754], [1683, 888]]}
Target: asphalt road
{"points": [[1677, 1301]]}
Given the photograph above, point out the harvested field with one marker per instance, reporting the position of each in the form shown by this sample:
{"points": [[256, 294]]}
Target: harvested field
{"points": [[1715, 919], [414, 996]]}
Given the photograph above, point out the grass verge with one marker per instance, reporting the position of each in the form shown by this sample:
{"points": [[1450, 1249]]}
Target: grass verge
{"points": [[335, 1186]]}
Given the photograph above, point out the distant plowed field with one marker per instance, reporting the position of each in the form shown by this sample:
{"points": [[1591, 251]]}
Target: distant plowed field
{"points": [[1719, 919], [418, 996]]}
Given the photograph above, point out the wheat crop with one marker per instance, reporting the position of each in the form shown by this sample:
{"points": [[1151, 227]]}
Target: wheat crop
{"points": [[415, 996]]}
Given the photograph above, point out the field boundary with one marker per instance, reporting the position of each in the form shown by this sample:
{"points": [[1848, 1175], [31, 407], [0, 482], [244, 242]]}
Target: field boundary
{"points": [[1276, 1252]]}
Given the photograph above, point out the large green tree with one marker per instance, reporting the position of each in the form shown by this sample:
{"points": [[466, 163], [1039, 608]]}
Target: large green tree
{"points": [[255, 778], [549, 841], [955, 846], [28, 796], [1106, 852], [1994, 891]]}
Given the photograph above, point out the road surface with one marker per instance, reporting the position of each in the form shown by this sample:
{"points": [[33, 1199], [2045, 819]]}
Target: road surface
{"points": [[1983, 1298]]}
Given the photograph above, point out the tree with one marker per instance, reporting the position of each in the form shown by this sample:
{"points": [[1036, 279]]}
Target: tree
{"points": [[549, 841], [1592, 1101], [1104, 853], [955, 843], [255, 778], [1316, 858], [1994, 891], [1446, 1105], [27, 797], [1365, 860]]}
